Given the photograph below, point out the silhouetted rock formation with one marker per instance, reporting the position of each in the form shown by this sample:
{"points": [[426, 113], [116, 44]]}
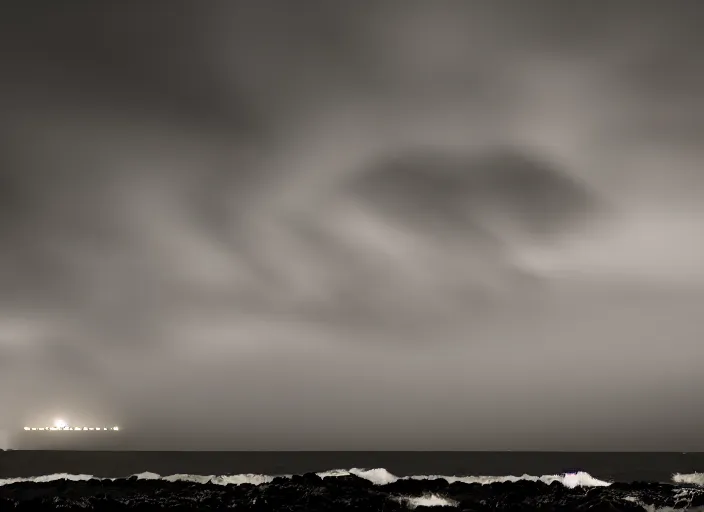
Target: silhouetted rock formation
{"points": [[310, 492]]}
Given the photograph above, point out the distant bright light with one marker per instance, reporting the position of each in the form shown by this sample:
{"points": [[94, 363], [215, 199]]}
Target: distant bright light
{"points": [[60, 425]]}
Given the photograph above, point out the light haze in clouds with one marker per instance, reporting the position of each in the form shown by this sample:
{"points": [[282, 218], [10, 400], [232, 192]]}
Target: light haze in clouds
{"points": [[319, 225]]}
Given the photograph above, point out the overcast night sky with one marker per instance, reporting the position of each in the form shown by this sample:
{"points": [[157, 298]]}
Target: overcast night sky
{"points": [[472, 225]]}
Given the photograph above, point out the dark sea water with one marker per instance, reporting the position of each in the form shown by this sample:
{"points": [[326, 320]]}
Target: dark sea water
{"points": [[611, 466]]}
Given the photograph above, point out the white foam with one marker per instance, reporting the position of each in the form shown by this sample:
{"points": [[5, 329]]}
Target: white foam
{"points": [[571, 480], [196, 479], [248, 478], [689, 478], [47, 478], [430, 500], [333, 473], [378, 476], [147, 475]]}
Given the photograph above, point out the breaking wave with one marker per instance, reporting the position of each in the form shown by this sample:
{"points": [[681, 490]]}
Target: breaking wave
{"points": [[410, 492], [378, 476], [431, 500], [689, 478]]}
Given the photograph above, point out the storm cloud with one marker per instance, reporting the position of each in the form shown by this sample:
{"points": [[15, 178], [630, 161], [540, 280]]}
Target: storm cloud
{"points": [[273, 221]]}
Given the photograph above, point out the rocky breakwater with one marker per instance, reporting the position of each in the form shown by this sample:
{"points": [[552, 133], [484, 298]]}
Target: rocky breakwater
{"points": [[311, 492]]}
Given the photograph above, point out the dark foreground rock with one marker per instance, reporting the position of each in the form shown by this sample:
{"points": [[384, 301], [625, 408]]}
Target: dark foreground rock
{"points": [[312, 493]]}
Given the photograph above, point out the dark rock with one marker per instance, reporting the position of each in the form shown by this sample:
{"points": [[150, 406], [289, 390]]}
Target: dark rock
{"points": [[311, 493]]}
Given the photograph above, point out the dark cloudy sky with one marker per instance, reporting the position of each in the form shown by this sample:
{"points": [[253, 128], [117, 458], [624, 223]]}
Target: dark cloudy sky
{"points": [[339, 225]]}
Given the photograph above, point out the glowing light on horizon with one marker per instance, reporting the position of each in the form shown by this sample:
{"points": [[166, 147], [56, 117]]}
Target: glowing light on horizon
{"points": [[62, 425]]}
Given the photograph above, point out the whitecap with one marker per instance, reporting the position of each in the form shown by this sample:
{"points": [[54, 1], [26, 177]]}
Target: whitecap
{"points": [[378, 476]]}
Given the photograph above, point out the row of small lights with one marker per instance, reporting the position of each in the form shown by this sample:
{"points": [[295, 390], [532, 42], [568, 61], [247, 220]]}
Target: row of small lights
{"points": [[71, 428]]}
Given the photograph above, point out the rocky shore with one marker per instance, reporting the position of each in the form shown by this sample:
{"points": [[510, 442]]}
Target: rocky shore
{"points": [[311, 492]]}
